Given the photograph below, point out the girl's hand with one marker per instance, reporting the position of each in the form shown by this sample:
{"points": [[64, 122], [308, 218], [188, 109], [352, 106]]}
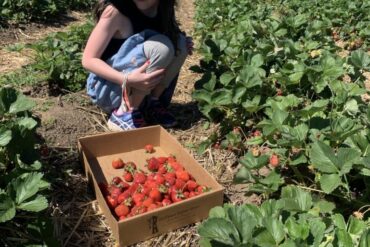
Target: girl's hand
{"points": [[141, 80], [189, 45]]}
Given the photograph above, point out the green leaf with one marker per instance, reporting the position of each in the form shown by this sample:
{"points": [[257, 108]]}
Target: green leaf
{"points": [[251, 162], [346, 158], [7, 97], [36, 205], [317, 227], [239, 216], [296, 199], [217, 212], [339, 221], [279, 116], [27, 123], [297, 230], [7, 208], [222, 97], [243, 176], [204, 146], [351, 107], [325, 206], [257, 60], [329, 182], [21, 104], [365, 239], [343, 238], [356, 226], [360, 59], [220, 230], [226, 78], [323, 157], [275, 228], [5, 136], [26, 187], [265, 239]]}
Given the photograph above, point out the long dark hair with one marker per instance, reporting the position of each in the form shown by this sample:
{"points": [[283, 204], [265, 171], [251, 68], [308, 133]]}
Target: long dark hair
{"points": [[166, 11]]}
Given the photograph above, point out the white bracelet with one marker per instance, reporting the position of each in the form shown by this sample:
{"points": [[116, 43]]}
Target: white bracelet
{"points": [[124, 81]]}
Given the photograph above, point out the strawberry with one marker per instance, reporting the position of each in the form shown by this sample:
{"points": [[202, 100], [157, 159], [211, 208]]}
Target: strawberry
{"points": [[149, 148], [127, 176], [180, 184], [183, 175], [170, 178], [177, 196], [166, 202], [176, 166], [121, 210], [159, 178], [162, 169], [162, 160], [116, 180], [138, 198], [152, 207], [114, 191], [122, 217], [156, 195], [191, 185], [138, 210], [117, 163], [200, 189], [152, 164], [192, 194], [111, 201], [123, 186], [139, 177], [274, 160], [130, 166], [147, 202]]}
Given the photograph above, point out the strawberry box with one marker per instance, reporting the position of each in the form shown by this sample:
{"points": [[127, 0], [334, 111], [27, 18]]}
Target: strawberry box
{"points": [[97, 153]]}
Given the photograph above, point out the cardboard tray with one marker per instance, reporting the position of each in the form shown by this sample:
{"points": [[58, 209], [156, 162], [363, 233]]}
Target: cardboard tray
{"points": [[97, 153]]}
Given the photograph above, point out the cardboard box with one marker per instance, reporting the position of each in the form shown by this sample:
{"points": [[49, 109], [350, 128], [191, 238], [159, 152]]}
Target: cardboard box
{"points": [[97, 153]]}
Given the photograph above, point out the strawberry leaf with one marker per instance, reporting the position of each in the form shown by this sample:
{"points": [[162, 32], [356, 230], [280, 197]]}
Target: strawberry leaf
{"points": [[21, 104], [220, 230], [7, 208], [26, 186], [5, 136], [329, 182], [36, 205], [323, 157]]}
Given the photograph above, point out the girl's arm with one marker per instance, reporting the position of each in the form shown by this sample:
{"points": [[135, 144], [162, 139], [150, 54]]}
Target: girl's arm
{"points": [[98, 42], [110, 22]]}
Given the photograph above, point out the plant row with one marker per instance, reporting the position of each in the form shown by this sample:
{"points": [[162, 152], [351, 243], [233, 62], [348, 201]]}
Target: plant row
{"points": [[286, 81], [22, 183], [38, 10]]}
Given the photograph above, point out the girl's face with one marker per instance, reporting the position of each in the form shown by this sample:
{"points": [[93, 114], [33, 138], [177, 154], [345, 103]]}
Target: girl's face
{"points": [[148, 7]]}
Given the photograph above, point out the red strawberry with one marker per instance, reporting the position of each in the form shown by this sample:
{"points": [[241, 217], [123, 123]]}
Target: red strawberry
{"points": [[121, 210], [183, 175], [149, 148], [123, 186], [147, 202], [162, 160], [138, 198], [176, 166], [200, 189], [117, 163], [256, 133], [138, 210], [111, 201], [156, 195], [170, 178], [152, 164], [191, 185], [130, 166], [159, 178], [192, 194], [139, 177], [274, 160], [152, 207], [166, 202], [114, 191], [180, 184], [127, 176], [177, 196]]}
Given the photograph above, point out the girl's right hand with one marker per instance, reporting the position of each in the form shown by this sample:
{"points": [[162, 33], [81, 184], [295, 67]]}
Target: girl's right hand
{"points": [[141, 80]]}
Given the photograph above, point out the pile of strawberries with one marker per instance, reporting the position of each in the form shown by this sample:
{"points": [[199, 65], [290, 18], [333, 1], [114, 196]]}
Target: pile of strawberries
{"points": [[136, 192]]}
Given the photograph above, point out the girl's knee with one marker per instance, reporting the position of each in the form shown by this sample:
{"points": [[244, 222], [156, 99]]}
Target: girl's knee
{"points": [[159, 50]]}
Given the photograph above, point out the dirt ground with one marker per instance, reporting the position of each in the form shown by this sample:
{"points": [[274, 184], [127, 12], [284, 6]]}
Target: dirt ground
{"points": [[69, 116]]}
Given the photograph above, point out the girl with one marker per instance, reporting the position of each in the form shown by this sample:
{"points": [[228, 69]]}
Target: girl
{"points": [[134, 54]]}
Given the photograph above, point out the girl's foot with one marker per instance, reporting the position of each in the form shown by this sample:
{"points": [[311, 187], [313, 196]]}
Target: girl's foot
{"points": [[126, 121]]}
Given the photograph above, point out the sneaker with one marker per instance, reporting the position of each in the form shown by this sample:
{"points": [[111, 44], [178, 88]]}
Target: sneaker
{"points": [[160, 115], [126, 121]]}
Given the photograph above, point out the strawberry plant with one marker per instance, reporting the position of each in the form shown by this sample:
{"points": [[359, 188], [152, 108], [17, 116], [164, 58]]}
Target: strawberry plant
{"points": [[296, 219], [22, 183]]}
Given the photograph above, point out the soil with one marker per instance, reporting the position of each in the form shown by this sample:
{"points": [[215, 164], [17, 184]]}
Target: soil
{"points": [[66, 117]]}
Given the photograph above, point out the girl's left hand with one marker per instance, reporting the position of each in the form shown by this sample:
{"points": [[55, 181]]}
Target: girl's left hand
{"points": [[189, 45]]}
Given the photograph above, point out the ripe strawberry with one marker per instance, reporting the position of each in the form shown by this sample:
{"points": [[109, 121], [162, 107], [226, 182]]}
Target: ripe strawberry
{"points": [[149, 148], [116, 180], [123, 186], [138, 198], [166, 202], [162, 169], [177, 196], [127, 176], [200, 189], [121, 210], [180, 184], [152, 207], [191, 185], [171, 159], [192, 194], [170, 178], [148, 201], [176, 166], [274, 160], [139, 177], [111, 201], [256, 133], [122, 197], [183, 175], [162, 160], [159, 178], [156, 195], [152, 164], [130, 166], [138, 210], [114, 191], [122, 217], [118, 163]]}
